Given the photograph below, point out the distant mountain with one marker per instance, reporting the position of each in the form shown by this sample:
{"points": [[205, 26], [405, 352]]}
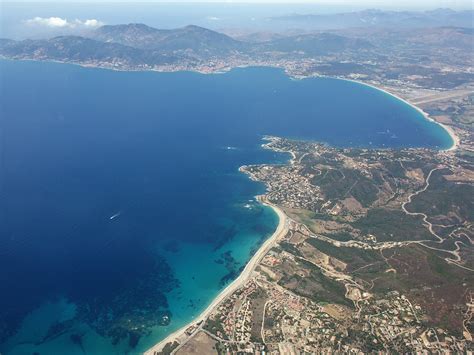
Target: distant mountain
{"points": [[128, 46], [258, 37], [379, 18], [139, 46], [317, 44], [133, 35], [81, 50], [5, 42], [193, 40], [439, 37]]}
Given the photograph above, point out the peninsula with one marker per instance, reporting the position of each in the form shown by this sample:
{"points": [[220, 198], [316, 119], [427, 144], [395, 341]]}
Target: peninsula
{"points": [[362, 264], [374, 247]]}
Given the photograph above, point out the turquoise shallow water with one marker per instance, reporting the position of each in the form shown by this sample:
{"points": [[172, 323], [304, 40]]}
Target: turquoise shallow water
{"points": [[122, 209]]}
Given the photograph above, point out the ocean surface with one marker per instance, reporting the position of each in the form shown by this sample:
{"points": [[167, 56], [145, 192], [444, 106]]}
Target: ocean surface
{"points": [[122, 210]]}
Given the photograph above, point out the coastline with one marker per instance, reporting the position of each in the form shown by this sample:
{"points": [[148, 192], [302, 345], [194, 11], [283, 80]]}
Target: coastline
{"points": [[180, 334], [246, 273], [448, 129], [234, 285], [454, 137]]}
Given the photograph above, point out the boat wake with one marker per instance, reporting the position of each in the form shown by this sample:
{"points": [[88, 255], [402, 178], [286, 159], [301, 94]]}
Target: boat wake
{"points": [[116, 215]]}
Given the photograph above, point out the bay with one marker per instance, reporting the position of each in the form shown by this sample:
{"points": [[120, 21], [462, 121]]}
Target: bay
{"points": [[122, 210]]}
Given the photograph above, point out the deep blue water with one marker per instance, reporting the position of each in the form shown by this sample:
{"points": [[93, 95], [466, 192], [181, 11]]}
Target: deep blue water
{"points": [[79, 146]]}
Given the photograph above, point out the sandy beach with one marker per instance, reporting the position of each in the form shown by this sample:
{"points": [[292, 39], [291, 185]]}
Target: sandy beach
{"points": [[180, 334], [447, 128], [238, 282]]}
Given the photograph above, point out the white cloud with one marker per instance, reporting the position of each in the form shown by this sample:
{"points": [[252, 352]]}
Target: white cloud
{"points": [[92, 23], [213, 18], [58, 22], [50, 21]]}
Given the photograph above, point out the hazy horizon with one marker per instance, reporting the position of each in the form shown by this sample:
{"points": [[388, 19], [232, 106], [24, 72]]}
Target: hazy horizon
{"points": [[38, 19], [428, 4], [382, 4]]}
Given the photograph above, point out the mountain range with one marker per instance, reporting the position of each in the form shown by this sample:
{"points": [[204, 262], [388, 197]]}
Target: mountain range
{"points": [[141, 45], [194, 39], [379, 18]]}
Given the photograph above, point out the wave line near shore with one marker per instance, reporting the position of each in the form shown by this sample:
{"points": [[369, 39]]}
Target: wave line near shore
{"points": [[180, 334]]}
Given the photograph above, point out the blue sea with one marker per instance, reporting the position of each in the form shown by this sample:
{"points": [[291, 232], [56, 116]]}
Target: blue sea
{"points": [[122, 210]]}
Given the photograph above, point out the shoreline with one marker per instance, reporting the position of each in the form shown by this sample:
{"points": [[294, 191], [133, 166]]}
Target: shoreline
{"points": [[448, 129], [269, 242], [234, 285], [266, 246]]}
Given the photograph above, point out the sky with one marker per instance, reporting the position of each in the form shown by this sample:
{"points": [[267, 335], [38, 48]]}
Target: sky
{"points": [[21, 19], [373, 3]]}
